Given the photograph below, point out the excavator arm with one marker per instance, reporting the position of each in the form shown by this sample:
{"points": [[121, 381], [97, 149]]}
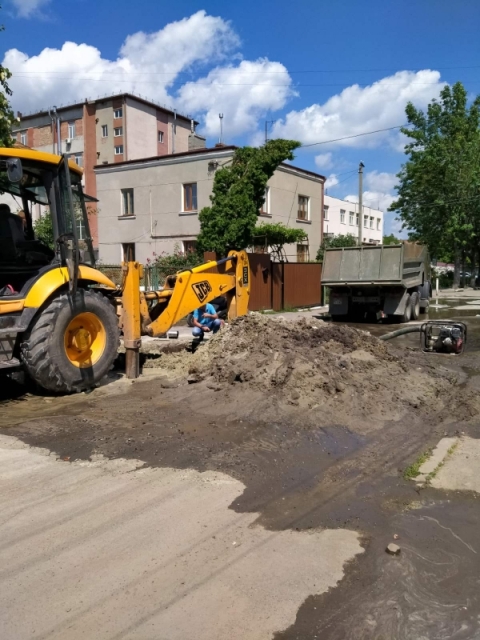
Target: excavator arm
{"points": [[153, 313]]}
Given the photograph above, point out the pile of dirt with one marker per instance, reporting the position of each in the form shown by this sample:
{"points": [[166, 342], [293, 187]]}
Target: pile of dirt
{"points": [[311, 364]]}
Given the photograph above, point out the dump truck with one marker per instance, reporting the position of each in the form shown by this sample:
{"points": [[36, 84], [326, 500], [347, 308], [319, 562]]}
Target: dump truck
{"points": [[61, 318], [380, 281]]}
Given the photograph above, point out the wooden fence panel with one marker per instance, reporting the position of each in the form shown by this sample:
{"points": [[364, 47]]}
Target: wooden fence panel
{"points": [[277, 285], [302, 284], [261, 281]]}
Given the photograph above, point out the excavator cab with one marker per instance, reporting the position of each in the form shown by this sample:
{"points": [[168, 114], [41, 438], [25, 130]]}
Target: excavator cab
{"points": [[31, 180], [53, 321]]}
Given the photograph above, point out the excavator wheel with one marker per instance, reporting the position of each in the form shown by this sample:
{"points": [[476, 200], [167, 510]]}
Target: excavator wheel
{"points": [[72, 343]]}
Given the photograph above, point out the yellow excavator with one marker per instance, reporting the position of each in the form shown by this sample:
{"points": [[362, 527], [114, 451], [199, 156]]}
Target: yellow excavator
{"points": [[61, 319]]}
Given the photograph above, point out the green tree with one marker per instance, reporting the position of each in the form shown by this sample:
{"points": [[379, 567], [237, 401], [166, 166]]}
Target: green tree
{"points": [[7, 117], [238, 195], [275, 236], [347, 240], [391, 239], [439, 185], [43, 229]]}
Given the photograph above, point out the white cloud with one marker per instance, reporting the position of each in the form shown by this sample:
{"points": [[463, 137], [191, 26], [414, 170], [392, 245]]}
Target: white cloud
{"points": [[357, 110], [380, 181], [28, 8], [152, 65], [378, 193], [331, 181], [229, 90], [379, 190], [374, 199], [324, 160], [148, 64]]}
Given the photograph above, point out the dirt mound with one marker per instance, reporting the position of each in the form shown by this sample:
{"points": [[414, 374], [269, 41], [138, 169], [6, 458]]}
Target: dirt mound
{"points": [[311, 364]]}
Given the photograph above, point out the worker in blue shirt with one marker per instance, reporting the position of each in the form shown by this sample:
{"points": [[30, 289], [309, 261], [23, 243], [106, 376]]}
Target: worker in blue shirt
{"points": [[205, 319]]}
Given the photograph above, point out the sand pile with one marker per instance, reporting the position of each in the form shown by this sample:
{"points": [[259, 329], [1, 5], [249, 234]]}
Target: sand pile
{"points": [[311, 364]]}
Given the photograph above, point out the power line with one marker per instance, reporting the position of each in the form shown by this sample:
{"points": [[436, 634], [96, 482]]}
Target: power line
{"points": [[175, 73], [440, 204], [357, 135], [240, 84], [345, 179]]}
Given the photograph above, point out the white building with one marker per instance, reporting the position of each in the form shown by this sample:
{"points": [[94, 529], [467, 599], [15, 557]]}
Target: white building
{"points": [[340, 217]]}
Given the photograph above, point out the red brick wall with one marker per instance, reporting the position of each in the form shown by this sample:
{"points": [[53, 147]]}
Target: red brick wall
{"points": [[41, 136], [64, 128], [89, 161]]}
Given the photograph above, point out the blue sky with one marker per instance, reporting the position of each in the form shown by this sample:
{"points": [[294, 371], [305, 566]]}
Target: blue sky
{"points": [[321, 70]]}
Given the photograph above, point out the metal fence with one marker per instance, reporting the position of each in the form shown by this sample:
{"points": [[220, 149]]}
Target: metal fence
{"points": [[153, 276], [274, 285]]}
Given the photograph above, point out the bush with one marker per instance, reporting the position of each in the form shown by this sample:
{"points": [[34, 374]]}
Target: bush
{"points": [[166, 264], [348, 240]]}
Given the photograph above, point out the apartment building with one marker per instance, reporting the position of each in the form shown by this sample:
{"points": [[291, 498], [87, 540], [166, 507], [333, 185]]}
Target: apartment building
{"points": [[151, 206], [108, 130], [340, 217]]}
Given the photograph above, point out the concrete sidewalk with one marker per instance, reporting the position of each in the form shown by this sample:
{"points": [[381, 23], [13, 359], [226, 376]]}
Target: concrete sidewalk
{"points": [[108, 549]]}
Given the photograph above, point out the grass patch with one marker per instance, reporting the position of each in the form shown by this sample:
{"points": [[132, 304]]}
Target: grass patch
{"points": [[433, 473], [414, 469]]}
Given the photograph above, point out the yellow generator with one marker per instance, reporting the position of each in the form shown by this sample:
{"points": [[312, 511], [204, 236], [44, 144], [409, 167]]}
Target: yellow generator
{"points": [[61, 319]]}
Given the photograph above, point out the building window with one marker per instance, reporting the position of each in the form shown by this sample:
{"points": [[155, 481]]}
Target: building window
{"points": [[302, 252], [80, 225], [23, 137], [265, 210], [325, 212], [77, 158], [104, 130], [189, 246], [160, 136], [342, 216], [128, 251], [190, 197], [118, 131], [302, 213], [371, 222], [350, 218], [356, 219], [71, 130], [127, 202], [118, 113], [365, 222], [119, 150], [379, 223]]}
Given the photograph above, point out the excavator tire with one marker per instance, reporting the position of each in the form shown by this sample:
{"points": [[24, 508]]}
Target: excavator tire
{"points": [[72, 343]]}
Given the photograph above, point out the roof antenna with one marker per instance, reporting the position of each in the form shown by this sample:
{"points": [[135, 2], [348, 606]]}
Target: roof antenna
{"points": [[220, 141]]}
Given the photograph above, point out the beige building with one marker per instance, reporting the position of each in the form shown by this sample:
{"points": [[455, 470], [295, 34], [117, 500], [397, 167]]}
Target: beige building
{"points": [[153, 204], [107, 130]]}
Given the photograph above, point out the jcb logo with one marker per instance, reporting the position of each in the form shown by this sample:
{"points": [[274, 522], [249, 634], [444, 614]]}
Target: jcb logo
{"points": [[202, 289]]}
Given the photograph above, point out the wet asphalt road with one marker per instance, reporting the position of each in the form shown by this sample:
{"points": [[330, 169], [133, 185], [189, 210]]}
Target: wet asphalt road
{"points": [[301, 480]]}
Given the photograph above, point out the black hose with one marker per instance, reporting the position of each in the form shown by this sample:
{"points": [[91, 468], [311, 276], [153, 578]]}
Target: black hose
{"points": [[401, 332]]}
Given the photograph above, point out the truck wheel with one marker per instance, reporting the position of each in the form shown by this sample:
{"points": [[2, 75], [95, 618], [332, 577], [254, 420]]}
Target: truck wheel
{"points": [[72, 343], [407, 314], [415, 306]]}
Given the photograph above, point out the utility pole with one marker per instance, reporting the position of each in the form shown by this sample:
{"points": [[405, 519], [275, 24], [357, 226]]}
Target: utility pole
{"points": [[220, 140], [360, 203], [267, 123]]}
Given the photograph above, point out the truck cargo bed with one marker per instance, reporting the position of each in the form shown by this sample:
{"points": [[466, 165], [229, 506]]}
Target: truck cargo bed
{"points": [[399, 265]]}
